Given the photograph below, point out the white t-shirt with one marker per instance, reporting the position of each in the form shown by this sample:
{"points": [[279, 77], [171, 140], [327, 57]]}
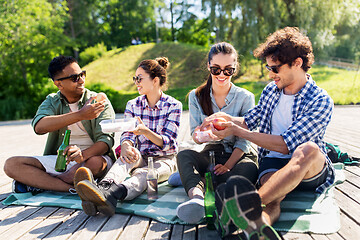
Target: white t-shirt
{"points": [[281, 120], [79, 136]]}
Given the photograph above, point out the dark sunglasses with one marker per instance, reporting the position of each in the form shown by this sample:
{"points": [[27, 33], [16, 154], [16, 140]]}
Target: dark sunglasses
{"points": [[137, 79], [274, 69], [228, 71], [74, 77]]}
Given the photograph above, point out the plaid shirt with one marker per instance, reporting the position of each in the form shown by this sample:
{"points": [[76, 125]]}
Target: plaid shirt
{"points": [[311, 113], [163, 119]]}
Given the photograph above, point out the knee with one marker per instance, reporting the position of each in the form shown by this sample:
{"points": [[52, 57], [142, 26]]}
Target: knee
{"points": [[307, 151], [10, 165], [183, 156], [96, 164]]}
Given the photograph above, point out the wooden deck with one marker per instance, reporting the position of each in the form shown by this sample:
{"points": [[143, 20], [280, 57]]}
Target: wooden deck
{"points": [[21, 222]]}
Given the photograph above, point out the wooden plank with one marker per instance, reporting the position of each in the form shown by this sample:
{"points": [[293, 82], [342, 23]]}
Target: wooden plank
{"points": [[177, 232], [189, 232], [5, 191], [21, 228], [7, 211], [204, 233], [348, 206], [319, 237], [113, 227], [350, 190], [355, 169], [67, 228], [49, 224], [296, 236], [349, 229], [135, 229], [158, 230], [89, 229], [16, 217]]}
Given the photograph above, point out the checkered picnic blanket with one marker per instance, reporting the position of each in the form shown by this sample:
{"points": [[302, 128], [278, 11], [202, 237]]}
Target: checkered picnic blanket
{"points": [[300, 211]]}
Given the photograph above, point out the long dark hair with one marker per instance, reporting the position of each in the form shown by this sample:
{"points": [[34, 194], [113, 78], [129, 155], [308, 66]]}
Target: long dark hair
{"points": [[203, 91]]}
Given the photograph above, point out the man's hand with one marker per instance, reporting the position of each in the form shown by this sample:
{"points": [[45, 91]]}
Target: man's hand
{"points": [[73, 153], [128, 153], [229, 129], [91, 110]]}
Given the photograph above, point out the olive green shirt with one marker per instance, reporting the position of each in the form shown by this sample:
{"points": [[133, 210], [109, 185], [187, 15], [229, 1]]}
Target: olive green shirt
{"points": [[56, 104]]}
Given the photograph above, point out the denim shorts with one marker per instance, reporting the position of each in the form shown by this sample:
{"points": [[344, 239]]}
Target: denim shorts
{"points": [[268, 165]]}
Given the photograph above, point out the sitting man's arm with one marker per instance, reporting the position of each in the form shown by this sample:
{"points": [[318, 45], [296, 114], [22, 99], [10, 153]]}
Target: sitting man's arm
{"points": [[55, 122], [75, 154]]}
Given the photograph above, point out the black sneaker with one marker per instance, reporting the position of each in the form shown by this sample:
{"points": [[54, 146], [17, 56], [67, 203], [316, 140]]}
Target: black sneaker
{"points": [[243, 205], [223, 223], [104, 196], [84, 173], [18, 187]]}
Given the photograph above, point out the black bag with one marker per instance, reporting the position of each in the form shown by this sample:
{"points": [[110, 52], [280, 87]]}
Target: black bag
{"points": [[335, 155]]}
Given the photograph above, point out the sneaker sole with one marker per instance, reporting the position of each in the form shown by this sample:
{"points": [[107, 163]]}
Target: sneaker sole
{"points": [[243, 204], [89, 193], [223, 223], [83, 173]]}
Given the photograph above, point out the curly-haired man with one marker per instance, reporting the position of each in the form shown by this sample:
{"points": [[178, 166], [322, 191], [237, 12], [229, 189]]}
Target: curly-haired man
{"points": [[291, 118]]}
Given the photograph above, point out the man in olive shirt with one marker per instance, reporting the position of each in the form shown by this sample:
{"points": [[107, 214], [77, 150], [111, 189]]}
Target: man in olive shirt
{"points": [[73, 107]]}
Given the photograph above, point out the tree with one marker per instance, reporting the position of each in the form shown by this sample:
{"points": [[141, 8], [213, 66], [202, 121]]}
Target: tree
{"points": [[32, 34], [123, 19]]}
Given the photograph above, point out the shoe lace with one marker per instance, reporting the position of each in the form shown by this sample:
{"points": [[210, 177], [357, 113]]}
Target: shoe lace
{"points": [[106, 184]]}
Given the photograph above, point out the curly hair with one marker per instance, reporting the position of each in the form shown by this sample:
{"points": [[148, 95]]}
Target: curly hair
{"points": [[156, 68], [286, 45]]}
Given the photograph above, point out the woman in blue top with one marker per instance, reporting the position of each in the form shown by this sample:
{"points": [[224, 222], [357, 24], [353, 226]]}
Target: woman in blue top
{"points": [[232, 154]]}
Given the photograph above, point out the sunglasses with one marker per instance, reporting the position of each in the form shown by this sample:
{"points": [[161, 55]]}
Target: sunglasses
{"points": [[137, 79], [274, 69], [74, 77], [228, 71]]}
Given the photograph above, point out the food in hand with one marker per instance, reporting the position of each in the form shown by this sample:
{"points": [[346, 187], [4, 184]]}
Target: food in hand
{"points": [[216, 122], [100, 97]]}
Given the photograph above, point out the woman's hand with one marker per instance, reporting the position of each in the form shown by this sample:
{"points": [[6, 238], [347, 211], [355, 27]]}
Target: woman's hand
{"points": [[202, 136], [73, 153], [220, 169], [140, 129], [208, 120], [128, 153]]}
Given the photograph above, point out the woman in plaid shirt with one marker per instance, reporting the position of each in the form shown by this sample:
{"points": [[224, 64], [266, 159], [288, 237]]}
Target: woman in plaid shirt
{"points": [[155, 136]]}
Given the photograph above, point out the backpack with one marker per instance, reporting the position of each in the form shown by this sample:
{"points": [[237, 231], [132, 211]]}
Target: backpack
{"points": [[335, 155]]}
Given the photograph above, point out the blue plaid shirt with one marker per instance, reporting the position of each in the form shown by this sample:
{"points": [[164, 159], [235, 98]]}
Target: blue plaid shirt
{"points": [[163, 119], [311, 113]]}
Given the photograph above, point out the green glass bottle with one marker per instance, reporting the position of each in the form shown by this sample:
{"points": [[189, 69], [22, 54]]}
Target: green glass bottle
{"points": [[60, 165], [209, 201]]}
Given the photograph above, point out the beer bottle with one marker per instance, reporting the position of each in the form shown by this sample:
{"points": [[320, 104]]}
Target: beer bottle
{"points": [[151, 179], [60, 165], [209, 201]]}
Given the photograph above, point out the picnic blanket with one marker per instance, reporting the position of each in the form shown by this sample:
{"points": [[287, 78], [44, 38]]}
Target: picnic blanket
{"points": [[301, 212]]}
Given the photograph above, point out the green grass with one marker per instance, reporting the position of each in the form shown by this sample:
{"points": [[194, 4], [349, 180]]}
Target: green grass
{"points": [[113, 73], [342, 85]]}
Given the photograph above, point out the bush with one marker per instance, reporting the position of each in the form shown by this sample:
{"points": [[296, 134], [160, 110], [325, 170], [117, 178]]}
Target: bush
{"points": [[92, 53]]}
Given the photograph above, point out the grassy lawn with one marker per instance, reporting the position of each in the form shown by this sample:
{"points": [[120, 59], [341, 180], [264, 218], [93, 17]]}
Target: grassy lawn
{"points": [[113, 73]]}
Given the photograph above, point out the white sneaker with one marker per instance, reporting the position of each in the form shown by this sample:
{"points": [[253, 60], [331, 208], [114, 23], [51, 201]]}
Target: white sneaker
{"points": [[191, 211]]}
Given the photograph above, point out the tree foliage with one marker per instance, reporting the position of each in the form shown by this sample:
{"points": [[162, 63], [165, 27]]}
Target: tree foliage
{"points": [[32, 33]]}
